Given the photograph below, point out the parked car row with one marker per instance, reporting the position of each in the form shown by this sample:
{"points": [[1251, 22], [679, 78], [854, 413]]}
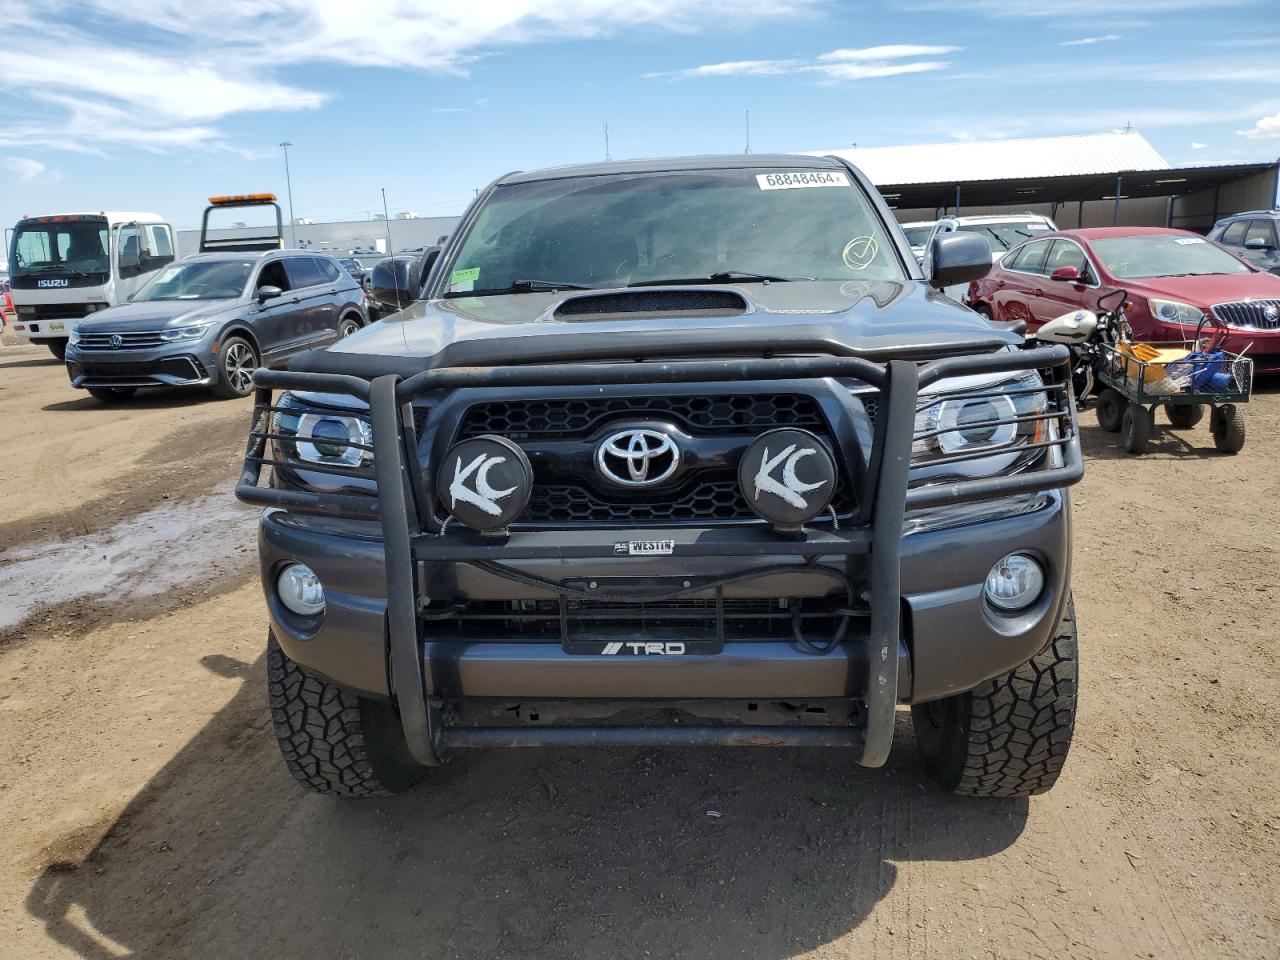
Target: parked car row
{"points": [[1174, 279]]}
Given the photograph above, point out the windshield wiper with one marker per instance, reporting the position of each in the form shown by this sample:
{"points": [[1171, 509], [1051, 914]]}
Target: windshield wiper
{"points": [[59, 269], [520, 286], [723, 276]]}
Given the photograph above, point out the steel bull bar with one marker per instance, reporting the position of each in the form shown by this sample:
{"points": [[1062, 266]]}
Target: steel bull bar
{"points": [[411, 532]]}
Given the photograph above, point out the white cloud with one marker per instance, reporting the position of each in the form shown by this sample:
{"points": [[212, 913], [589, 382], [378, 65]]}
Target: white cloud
{"points": [[22, 167], [892, 51], [890, 60], [161, 74], [1090, 41], [1266, 128], [1197, 145]]}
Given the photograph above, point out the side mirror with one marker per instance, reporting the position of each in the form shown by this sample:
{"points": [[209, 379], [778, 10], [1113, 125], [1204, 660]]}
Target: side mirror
{"points": [[1066, 275], [958, 258], [268, 292], [1256, 243], [391, 282]]}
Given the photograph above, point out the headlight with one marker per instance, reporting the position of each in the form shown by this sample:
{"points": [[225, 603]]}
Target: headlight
{"points": [[958, 423], [191, 332], [74, 336], [327, 438], [1174, 311]]}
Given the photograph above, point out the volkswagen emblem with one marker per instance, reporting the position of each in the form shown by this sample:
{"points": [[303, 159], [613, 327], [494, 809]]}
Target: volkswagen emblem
{"points": [[637, 458], [116, 341]]}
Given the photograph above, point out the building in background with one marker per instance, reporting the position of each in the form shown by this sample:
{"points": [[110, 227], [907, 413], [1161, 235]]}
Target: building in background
{"points": [[1092, 180]]}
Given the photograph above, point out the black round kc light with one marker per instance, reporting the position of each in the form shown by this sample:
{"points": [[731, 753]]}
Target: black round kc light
{"points": [[788, 476], [485, 482]]}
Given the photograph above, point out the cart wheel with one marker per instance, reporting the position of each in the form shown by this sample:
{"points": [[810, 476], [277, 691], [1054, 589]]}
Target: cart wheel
{"points": [[1111, 407], [1135, 428], [1184, 418], [1227, 425]]}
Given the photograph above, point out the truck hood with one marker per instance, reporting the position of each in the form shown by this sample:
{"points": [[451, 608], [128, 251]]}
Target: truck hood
{"points": [[876, 320], [1205, 291], [151, 315]]}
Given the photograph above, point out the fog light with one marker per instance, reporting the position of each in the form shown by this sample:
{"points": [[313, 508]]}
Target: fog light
{"points": [[300, 591], [1015, 582]]}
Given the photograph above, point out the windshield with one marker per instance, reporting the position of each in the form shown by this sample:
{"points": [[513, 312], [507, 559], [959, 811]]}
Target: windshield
{"points": [[916, 236], [705, 225], [199, 280], [60, 249], [1164, 255], [1001, 236]]}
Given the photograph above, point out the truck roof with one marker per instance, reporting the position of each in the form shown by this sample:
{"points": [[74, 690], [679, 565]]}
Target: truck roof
{"points": [[113, 216], [734, 161]]}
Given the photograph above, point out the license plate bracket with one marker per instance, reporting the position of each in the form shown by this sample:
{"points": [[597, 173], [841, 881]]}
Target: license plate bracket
{"points": [[642, 628]]}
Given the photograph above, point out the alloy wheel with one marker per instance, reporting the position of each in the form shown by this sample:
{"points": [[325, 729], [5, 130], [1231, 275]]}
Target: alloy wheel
{"points": [[239, 365]]}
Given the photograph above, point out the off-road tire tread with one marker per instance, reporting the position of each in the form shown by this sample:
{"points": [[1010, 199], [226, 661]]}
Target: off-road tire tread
{"points": [[321, 731], [1010, 736]]}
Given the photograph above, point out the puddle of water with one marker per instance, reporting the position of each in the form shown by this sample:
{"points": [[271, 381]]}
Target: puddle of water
{"points": [[145, 555]]}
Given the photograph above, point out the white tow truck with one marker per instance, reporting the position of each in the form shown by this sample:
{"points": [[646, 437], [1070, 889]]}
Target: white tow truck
{"points": [[63, 267]]}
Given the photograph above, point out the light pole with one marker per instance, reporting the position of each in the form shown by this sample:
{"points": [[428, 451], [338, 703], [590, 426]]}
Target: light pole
{"points": [[386, 219], [293, 228]]}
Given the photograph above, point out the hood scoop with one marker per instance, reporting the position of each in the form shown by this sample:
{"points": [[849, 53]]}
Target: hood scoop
{"points": [[639, 304]]}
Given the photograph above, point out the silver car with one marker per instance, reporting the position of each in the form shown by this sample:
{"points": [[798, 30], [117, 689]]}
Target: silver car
{"points": [[209, 320]]}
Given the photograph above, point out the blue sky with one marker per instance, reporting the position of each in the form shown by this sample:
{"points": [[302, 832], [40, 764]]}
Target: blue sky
{"points": [[155, 104]]}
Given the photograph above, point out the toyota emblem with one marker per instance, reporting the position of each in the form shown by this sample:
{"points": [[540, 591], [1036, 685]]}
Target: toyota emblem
{"points": [[637, 458], [116, 341]]}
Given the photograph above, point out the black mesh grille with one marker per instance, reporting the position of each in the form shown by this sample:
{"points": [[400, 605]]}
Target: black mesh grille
{"points": [[713, 500], [708, 494], [565, 419]]}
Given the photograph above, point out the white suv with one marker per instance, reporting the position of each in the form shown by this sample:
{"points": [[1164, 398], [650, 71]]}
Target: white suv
{"points": [[1001, 231]]}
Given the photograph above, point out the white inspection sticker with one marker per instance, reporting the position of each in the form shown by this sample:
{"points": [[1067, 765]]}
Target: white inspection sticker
{"points": [[1187, 241], [793, 179], [644, 548]]}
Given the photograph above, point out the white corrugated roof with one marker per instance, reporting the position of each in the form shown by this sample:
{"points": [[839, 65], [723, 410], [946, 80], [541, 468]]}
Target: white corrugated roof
{"points": [[963, 161]]}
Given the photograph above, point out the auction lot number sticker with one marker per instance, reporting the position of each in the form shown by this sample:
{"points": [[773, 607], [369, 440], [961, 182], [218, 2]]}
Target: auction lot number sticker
{"points": [[794, 179]]}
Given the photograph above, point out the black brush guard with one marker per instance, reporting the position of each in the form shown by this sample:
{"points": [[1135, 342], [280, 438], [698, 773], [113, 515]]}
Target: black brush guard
{"points": [[411, 532]]}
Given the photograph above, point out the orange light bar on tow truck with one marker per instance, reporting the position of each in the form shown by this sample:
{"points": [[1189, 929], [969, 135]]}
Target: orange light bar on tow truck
{"points": [[242, 198]]}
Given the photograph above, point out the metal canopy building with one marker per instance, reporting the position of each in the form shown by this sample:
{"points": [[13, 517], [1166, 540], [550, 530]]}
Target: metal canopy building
{"points": [[1092, 180]]}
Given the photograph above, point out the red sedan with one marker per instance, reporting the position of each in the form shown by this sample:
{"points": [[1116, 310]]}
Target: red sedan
{"points": [[1174, 279]]}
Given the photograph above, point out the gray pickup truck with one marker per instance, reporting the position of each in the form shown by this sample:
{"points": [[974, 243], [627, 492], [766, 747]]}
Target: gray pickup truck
{"points": [[674, 452]]}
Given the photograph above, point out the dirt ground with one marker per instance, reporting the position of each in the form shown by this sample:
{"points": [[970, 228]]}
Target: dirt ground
{"points": [[144, 811]]}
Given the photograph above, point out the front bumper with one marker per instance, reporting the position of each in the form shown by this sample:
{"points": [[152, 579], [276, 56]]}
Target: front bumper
{"points": [[952, 640], [181, 364], [918, 627]]}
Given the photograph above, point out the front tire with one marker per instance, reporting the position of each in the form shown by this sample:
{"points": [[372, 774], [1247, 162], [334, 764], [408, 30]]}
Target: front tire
{"points": [[1135, 428], [1010, 736], [236, 360], [332, 741], [1227, 425]]}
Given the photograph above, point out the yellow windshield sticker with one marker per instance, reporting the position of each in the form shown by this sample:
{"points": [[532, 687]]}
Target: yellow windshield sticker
{"points": [[464, 276]]}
